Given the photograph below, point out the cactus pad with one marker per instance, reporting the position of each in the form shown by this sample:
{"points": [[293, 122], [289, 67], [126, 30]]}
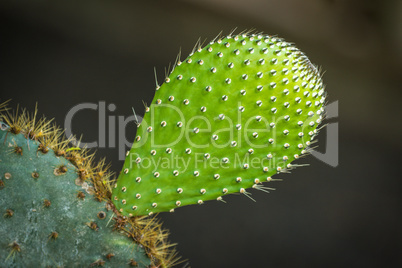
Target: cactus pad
{"points": [[227, 118], [56, 207]]}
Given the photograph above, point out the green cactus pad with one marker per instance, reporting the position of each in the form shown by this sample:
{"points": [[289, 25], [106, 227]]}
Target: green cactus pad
{"points": [[47, 220], [228, 118]]}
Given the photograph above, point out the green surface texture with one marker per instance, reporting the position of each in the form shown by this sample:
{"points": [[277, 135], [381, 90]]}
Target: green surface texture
{"points": [[85, 235], [228, 118]]}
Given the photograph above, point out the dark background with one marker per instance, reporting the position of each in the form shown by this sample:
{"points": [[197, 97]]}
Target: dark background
{"points": [[61, 54]]}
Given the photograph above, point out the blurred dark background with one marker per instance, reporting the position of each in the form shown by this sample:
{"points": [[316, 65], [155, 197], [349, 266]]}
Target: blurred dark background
{"points": [[63, 53]]}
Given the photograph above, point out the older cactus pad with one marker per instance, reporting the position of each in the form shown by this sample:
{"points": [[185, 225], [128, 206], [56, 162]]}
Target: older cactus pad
{"points": [[56, 207], [228, 118], [49, 221]]}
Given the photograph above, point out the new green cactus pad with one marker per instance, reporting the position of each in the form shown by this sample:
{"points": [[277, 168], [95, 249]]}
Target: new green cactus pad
{"points": [[56, 209], [228, 118]]}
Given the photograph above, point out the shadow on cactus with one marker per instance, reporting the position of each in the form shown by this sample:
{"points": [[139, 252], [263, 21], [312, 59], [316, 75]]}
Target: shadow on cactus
{"points": [[228, 118]]}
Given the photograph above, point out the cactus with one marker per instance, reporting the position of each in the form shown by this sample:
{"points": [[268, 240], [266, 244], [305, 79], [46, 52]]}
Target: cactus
{"points": [[56, 207], [228, 118]]}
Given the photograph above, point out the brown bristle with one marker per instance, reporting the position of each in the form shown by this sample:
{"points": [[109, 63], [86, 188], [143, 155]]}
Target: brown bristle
{"points": [[9, 213], [82, 173], [60, 170], [81, 195], [35, 175], [93, 225], [120, 223], [15, 246], [46, 203], [109, 256], [60, 153], [54, 235], [133, 263], [18, 150], [42, 148]]}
